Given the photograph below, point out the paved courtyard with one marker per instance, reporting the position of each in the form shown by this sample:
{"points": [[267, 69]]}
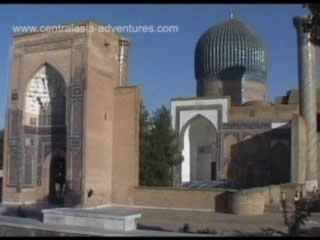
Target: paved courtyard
{"points": [[165, 222], [222, 223]]}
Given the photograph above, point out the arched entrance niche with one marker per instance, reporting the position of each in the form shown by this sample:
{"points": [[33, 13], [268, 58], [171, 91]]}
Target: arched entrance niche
{"points": [[44, 120], [54, 178], [199, 149], [45, 98]]}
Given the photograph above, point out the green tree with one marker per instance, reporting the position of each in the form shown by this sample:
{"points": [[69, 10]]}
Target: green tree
{"points": [[161, 153], [144, 143], [1, 147]]}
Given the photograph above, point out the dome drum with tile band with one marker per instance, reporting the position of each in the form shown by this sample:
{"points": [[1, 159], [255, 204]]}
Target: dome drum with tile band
{"points": [[231, 59]]}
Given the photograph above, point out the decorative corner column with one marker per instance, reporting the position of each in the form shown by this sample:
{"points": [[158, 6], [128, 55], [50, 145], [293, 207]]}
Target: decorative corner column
{"points": [[307, 65], [124, 61]]}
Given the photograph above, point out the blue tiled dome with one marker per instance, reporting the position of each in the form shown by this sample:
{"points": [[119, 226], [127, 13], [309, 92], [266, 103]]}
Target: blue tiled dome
{"points": [[228, 45]]}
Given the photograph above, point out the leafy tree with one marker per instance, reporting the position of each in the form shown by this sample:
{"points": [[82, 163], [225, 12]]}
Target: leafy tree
{"points": [[1, 147], [159, 149], [144, 143]]}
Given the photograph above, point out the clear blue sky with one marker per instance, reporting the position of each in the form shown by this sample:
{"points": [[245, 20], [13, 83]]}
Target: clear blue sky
{"points": [[163, 63]]}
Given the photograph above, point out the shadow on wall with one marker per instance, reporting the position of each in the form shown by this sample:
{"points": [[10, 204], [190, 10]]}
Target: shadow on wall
{"points": [[261, 159], [222, 202], [225, 83], [1, 189], [232, 83]]}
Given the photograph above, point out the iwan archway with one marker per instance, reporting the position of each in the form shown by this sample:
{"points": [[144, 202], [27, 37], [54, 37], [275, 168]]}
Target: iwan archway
{"points": [[44, 125], [73, 113], [199, 149]]}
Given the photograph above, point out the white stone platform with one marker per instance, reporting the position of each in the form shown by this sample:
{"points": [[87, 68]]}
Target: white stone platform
{"points": [[103, 219]]}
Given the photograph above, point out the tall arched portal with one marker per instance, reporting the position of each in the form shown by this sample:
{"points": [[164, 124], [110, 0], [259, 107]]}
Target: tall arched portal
{"points": [[71, 112], [45, 99], [199, 150], [44, 123]]}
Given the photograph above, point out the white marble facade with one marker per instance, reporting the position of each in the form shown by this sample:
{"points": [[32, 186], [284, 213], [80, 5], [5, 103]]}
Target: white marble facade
{"points": [[198, 124]]}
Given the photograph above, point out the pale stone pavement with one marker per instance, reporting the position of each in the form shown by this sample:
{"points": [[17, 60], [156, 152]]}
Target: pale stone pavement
{"points": [[160, 222], [13, 226], [222, 223]]}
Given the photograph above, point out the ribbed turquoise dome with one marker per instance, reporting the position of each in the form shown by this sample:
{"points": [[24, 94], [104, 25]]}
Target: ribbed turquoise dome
{"points": [[230, 45]]}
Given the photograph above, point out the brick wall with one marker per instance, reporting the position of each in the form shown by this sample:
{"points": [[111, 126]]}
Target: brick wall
{"points": [[215, 199]]}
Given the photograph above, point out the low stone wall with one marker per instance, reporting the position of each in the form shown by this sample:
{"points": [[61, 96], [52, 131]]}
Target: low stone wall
{"points": [[248, 202], [256, 200], [272, 195], [290, 190], [244, 202], [209, 199]]}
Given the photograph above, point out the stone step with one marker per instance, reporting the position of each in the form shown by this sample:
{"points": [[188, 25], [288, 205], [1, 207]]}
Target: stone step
{"points": [[95, 219]]}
